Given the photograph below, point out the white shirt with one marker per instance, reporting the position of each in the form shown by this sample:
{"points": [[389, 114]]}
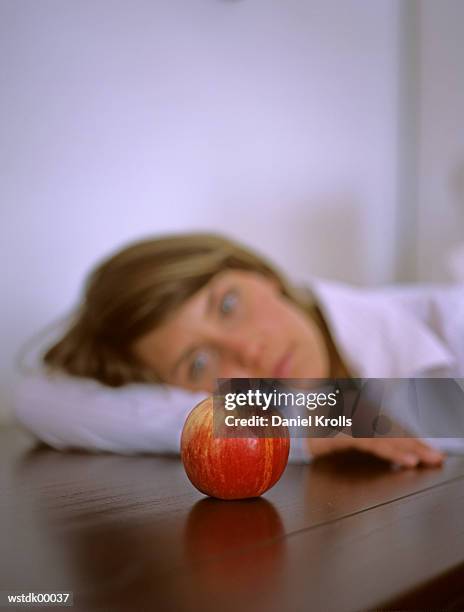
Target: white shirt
{"points": [[392, 332]]}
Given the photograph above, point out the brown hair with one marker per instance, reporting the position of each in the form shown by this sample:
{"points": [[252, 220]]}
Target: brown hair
{"points": [[134, 290]]}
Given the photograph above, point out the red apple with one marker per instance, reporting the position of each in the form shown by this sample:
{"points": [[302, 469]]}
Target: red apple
{"points": [[226, 467]]}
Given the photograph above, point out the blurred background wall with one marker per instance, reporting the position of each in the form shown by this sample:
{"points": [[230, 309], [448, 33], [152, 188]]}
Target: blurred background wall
{"points": [[327, 134], [440, 143]]}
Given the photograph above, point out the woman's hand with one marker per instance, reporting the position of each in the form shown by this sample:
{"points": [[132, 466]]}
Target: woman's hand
{"points": [[406, 452]]}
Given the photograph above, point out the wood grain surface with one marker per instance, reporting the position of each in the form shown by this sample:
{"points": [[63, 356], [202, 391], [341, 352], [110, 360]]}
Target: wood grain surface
{"points": [[346, 533]]}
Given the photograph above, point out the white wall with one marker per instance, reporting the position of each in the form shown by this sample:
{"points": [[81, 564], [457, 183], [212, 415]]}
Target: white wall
{"points": [[275, 121], [440, 253]]}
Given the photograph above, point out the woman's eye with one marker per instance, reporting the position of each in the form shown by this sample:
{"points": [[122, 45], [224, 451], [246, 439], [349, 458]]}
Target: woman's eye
{"points": [[228, 302], [198, 365]]}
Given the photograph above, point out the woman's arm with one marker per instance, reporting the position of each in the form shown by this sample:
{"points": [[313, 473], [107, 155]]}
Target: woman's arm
{"points": [[67, 412]]}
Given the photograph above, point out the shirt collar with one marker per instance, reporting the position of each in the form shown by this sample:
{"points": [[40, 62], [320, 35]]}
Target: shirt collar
{"points": [[376, 337]]}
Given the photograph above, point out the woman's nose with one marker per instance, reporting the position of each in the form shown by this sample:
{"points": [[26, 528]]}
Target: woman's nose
{"points": [[249, 352]]}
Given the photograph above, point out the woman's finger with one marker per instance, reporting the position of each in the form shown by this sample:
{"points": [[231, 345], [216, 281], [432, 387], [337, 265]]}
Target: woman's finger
{"points": [[406, 452], [427, 454], [390, 452]]}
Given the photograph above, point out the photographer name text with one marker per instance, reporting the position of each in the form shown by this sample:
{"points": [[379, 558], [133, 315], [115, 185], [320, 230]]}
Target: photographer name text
{"points": [[278, 421]]}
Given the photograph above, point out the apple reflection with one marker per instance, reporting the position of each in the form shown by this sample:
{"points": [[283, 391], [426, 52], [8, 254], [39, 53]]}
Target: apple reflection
{"points": [[237, 546]]}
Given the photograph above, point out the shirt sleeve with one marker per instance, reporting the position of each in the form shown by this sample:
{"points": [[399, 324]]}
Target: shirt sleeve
{"points": [[299, 451], [73, 413], [68, 413]]}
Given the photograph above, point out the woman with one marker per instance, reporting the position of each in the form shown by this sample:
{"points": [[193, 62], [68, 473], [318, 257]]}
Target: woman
{"points": [[184, 310]]}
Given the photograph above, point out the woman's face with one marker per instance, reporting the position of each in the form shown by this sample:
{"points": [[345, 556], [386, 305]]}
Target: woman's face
{"points": [[239, 325]]}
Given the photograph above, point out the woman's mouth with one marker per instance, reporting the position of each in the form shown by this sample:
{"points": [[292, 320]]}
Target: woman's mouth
{"points": [[283, 366]]}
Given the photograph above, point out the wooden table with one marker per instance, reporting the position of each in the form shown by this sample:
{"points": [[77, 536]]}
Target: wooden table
{"points": [[131, 533]]}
